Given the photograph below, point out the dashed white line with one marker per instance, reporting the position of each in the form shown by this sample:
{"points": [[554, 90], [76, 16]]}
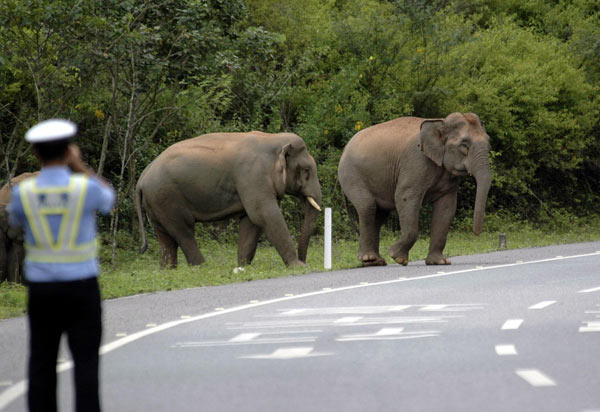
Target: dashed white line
{"points": [[535, 378], [244, 337], [591, 327], [505, 350], [348, 319], [590, 290], [5, 383], [543, 304], [512, 324], [288, 353], [388, 334]]}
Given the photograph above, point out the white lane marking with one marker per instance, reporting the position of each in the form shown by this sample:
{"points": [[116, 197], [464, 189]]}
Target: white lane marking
{"points": [[120, 334], [6, 383], [265, 341], [591, 327], [288, 353], [334, 322], [254, 338], [389, 331], [535, 378], [590, 290], [505, 350], [18, 389], [372, 310], [543, 304], [433, 308], [151, 325], [348, 319], [294, 312], [388, 334], [12, 393], [512, 324], [244, 337]]}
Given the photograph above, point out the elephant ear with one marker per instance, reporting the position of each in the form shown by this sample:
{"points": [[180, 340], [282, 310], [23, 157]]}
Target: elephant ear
{"points": [[281, 169], [433, 140]]}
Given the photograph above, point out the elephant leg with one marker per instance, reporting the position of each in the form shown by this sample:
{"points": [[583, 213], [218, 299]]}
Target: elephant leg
{"points": [[16, 254], [186, 240], [443, 212], [168, 249], [370, 222], [267, 216], [408, 206], [247, 241], [3, 256]]}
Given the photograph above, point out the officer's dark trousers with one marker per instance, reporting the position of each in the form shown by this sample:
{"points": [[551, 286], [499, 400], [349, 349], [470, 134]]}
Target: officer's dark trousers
{"points": [[73, 308]]}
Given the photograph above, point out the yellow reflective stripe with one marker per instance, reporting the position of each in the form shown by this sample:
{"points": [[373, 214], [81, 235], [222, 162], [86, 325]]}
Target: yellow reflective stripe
{"points": [[27, 208], [53, 189], [78, 211]]}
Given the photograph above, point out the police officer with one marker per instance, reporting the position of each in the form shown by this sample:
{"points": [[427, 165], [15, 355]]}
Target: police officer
{"points": [[57, 209]]}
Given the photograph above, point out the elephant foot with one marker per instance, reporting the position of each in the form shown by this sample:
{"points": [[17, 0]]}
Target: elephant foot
{"points": [[401, 261], [437, 260], [372, 259], [297, 264]]}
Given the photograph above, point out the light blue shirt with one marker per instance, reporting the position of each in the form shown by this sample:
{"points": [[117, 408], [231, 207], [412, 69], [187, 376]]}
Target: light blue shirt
{"points": [[98, 198]]}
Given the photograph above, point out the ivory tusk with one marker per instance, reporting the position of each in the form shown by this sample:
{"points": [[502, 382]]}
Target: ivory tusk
{"points": [[313, 203]]}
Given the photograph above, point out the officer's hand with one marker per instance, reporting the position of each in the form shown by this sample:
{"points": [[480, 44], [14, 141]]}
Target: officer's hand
{"points": [[74, 157]]}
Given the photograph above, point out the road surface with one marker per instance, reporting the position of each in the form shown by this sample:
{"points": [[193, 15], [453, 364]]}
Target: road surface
{"points": [[507, 331]]}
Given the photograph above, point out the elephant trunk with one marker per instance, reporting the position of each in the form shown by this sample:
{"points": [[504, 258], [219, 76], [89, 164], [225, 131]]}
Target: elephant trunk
{"points": [[311, 213], [482, 173]]}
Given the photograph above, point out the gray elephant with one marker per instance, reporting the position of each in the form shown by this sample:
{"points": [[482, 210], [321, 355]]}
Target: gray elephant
{"points": [[221, 175], [12, 251], [408, 161]]}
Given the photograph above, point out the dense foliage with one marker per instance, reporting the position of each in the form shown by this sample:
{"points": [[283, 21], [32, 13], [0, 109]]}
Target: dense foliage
{"points": [[138, 76]]}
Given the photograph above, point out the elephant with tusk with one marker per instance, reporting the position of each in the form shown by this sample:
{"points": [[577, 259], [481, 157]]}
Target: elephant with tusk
{"points": [[408, 161], [222, 175]]}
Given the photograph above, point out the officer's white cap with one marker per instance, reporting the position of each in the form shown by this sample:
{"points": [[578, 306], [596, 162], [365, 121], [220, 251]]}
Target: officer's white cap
{"points": [[51, 130]]}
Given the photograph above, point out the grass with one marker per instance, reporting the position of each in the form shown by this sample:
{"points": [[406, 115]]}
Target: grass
{"points": [[134, 274]]}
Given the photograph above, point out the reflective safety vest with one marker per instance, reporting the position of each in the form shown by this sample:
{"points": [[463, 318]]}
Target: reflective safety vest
{"points": [[65, 201]]}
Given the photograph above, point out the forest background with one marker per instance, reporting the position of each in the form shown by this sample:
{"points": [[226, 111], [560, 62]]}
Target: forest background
{"points": [[138, 76]]}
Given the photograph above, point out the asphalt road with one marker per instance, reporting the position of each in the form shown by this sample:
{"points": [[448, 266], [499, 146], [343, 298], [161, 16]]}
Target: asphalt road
{"points": [[506, 331]]}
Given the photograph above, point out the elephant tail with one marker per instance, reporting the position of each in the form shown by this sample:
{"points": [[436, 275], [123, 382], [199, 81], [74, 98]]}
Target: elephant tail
{"points": [[140, 214]]}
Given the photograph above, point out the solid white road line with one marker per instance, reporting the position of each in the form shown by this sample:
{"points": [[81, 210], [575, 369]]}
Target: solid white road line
{"points": [[543, 304], [535, 378], [505, 350], [18, 389], [590, 290], [512, 324]]}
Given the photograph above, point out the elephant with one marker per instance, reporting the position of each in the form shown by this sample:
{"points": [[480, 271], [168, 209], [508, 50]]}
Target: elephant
{"points": [[222, 175], [12, 251], [409, 161]]}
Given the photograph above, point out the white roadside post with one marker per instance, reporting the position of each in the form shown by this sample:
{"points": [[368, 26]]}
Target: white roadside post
{"points": [[327, 238]]}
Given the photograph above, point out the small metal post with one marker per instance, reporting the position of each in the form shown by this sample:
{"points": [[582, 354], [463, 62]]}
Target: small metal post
{"points": [[327, 239], [502, 241]]}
